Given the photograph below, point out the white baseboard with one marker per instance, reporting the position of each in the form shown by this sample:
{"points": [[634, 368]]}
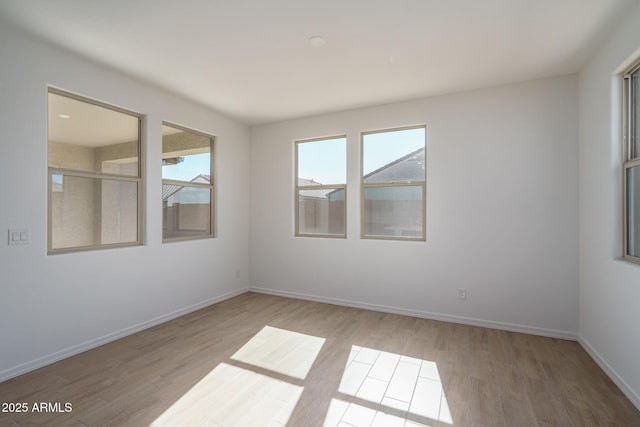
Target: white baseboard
{"points": [[611, 373], [423, 314], [88, 345], [624, 387]]}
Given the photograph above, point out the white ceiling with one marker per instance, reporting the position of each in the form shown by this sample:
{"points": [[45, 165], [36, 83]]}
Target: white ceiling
{"points": [[251, 59]]}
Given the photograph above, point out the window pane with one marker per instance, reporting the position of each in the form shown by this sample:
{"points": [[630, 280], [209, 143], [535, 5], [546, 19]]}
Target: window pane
{"points": [[186, 211], [633, 211], [91, 138], [186, 156], [394, 211], [635, 115], [91, 211], [322, 161], [321, 212], [394, 156]]}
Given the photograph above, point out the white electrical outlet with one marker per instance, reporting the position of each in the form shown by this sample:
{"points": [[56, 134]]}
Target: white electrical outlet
{"points": [[462, 293], [19, 236]]}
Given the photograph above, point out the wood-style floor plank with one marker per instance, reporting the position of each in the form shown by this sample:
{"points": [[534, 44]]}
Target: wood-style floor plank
{"points": [[264, 360]]}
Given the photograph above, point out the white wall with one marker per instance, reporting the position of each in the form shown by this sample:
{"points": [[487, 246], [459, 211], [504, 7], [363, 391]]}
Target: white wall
{"points": [[53, 306], [502, 209], [609, 288]]}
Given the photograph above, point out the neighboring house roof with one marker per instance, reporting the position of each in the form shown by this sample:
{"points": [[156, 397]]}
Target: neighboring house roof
{"points": [[408, 167], [305, 182], [321, 193], [202, 178], [169, 190]]}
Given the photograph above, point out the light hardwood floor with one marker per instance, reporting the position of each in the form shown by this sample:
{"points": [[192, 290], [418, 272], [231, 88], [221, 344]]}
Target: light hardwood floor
{"points": [[263, 360]]}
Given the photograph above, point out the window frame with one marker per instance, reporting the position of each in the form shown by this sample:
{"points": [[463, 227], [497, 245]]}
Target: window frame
{"points": [[298, 188], [390, 184], [137, 179], [211, 186], [629, 161]]}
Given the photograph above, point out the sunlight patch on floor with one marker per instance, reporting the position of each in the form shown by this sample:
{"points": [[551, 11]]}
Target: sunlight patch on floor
{"points": [[231, 395], [388, 389], [349, 414], [278, 350]]}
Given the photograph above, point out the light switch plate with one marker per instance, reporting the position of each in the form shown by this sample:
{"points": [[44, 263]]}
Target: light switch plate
{"points": [[19, 236]]}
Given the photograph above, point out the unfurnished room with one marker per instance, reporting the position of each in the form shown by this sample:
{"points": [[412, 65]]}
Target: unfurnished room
{"points": [[340, 213]]}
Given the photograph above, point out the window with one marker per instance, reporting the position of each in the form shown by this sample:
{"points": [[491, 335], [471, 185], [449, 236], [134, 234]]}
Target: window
{"points": [[394, 184], [320, 188], [631, 167], [94, 175], [187, 184]]}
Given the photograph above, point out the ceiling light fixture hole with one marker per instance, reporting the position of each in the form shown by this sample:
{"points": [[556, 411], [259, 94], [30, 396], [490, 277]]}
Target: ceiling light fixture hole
{"points": [[317, 41]]}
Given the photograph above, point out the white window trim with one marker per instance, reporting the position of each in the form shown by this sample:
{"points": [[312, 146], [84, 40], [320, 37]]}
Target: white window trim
{"points": [[298, 188], [97, 175], [211, 186], [628, 162], [404, 183]]}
